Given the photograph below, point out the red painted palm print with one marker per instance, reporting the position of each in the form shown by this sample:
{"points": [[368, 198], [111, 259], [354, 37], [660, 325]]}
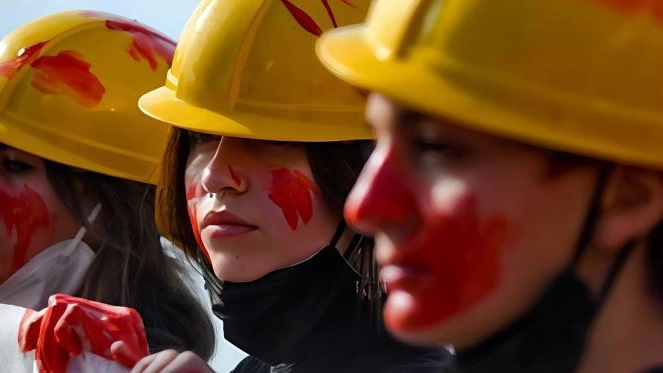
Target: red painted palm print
{"points": [[25, 57], [22, 214], [68, 73], [291, 192], [306, 21], [146, 44], [464, 251], [636, 7]]}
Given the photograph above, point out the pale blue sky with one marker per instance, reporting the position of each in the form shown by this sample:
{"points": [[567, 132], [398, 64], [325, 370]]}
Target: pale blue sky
{"points": [[167, 16]]}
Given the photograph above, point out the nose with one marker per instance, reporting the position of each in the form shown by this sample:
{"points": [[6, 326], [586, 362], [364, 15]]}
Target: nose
{"points": [[381, 199], [223, 173]]}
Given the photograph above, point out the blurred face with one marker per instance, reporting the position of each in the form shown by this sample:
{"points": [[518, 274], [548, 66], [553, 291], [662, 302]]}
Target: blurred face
{"points": [[254, 206], [470, 228], [32, 216]]}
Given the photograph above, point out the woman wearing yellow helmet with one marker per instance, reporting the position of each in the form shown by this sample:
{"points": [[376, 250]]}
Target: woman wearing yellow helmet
{"points": [[76, 162], [267, 147], [516, 191]]}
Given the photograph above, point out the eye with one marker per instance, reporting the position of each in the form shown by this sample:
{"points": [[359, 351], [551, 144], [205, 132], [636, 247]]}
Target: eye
{"points": [[198, 138], [432, 148], [14, 165]]}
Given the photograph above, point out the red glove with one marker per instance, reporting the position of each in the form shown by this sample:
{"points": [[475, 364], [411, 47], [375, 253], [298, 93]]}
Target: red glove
{"points": [[70, 325]]}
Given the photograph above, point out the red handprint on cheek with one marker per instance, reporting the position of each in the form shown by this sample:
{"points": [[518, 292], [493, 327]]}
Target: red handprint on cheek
{"points": [[291, 192], [23, 214], [70, 325], [69, 74], [25, 57]]}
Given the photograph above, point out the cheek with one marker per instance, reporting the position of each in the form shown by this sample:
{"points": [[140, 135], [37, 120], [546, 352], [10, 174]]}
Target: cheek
{"points": [[26, 220], [462, 252], [193, 193], [291, 191]]}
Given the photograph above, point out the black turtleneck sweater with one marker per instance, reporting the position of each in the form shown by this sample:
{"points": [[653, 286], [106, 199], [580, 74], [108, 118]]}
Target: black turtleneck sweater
{"points": [[309, 318]]}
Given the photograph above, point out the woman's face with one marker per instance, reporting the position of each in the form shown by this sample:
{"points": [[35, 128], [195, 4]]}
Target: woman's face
{"points": [[32, 216], [254, 206], [469, 228]]}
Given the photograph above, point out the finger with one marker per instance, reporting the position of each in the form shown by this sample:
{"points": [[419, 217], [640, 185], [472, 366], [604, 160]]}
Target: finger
{"points": [[155, 362], [188, 362]]}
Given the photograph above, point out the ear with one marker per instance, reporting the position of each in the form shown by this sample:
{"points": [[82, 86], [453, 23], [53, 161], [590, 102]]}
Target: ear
{"points": [[631, 207]]}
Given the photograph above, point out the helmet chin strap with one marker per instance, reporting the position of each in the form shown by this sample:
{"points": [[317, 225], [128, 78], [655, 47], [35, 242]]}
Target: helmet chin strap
{"points": [[588, 231]]}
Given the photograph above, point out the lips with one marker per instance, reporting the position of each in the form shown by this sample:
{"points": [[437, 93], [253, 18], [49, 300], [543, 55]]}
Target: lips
{"points": [[402, 269], [224, 224]]}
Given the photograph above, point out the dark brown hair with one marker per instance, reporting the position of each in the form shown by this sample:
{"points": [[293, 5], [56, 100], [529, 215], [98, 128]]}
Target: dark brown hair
{"points": [[335, 167], [131, 268]]}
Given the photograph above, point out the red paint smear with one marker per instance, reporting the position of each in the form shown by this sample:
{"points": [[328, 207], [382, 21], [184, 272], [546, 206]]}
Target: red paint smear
{"points": [[196, 192], [302, 18], [146, 44], [27, 55], [234, 176], [23, 214], [70, 325], [636, 7], [463, 251], [291, 193], [68, 74], [460, 250], [307, 22]]}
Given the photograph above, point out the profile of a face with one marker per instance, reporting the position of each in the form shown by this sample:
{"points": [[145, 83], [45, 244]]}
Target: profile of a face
{"points": [[469, 228], [254, 205], [32, 215]]}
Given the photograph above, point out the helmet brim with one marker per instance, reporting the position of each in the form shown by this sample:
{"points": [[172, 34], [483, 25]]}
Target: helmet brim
{"points": [[484, 104], [163, 105]]}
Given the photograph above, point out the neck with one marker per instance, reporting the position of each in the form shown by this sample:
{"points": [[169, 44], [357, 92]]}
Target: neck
{"points": [[627, 335]]}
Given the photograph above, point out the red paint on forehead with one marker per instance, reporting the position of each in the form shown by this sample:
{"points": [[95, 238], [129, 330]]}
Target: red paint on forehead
{"points": [[146, 44], [23, 214], [68, 74], [462, 251], [636, 7], [291, 192], [195, 191], [26, 56]]}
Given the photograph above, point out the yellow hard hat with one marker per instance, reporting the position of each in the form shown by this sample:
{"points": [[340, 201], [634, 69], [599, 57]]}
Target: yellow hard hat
{"points": [[248, 69], [578, 76], [69, 87]]}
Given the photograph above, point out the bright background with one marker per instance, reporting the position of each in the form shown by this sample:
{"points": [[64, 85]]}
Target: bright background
{"points": [[167, 16]]}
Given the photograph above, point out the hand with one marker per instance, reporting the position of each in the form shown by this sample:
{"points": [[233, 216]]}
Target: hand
{"points": [[70, 325], [169, 361]]}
